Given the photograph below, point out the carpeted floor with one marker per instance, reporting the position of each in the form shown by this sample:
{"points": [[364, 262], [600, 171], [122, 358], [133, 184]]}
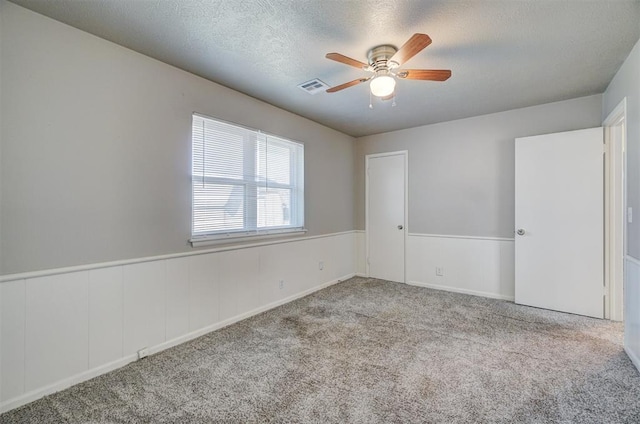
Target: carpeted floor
{"points": [[370, 351]]}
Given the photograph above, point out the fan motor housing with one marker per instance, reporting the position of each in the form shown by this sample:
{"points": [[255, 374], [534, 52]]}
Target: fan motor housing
{"points": [[379, 57]]}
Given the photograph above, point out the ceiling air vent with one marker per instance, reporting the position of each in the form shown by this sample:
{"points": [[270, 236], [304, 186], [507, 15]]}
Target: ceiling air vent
{"points": [[313, 87]]}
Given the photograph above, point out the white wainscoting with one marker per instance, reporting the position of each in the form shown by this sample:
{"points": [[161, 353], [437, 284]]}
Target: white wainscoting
{"points": [[632, 309], [361, 253], [60, 329], [472, 265]]}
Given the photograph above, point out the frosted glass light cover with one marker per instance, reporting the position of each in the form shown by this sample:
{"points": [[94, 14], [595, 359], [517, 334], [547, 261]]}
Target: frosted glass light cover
{"points": [[382, 86]]}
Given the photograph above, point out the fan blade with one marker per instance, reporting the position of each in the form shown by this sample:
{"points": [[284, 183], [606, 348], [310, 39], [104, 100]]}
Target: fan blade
{"points": [[347, 60], [347, 85], [412, 47], [425, 74]]}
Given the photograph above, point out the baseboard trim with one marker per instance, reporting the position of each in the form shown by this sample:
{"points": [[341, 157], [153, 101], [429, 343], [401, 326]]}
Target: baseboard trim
{"points": [[33, 395], [634, 359], [463, 291], [103, 369], [361, 274]]}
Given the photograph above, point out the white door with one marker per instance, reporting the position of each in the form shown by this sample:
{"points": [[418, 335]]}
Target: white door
{"points": [[559, 222], [386, 203]]}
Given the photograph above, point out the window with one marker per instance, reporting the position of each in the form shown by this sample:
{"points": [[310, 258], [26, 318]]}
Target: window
{"points": [[244, 182]]}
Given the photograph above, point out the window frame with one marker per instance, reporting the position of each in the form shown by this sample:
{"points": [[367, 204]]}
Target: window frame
{"points": [[250, 230]]}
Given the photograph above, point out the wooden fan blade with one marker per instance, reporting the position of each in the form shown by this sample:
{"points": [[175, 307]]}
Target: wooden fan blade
{"points": [[347, 85], [347, 60], [416, 43], [425, 74]]}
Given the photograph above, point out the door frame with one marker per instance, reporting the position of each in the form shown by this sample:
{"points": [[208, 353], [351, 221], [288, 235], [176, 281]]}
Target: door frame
{"points": [[405, 154], [615, 216]]}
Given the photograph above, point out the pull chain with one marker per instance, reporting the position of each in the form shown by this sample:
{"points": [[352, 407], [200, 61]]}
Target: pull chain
{"points": [[370, 101]]}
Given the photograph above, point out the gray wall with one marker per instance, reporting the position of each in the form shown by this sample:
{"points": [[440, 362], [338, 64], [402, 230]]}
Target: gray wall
{"points": [[96, 149], [461, 173], [626, 83], [2, 7]]}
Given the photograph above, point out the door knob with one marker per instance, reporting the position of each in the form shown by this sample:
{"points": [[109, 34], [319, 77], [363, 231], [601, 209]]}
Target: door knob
{"points": [[520, 231], [400, 227]]}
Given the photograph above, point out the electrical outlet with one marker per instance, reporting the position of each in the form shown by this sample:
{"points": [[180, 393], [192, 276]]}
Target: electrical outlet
{"points": [[281, 284], [143, 353], [321, 265], [439, 271]]}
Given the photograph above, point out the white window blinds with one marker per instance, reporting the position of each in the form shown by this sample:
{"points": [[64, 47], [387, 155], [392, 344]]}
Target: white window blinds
{"points": [[244, 182]]}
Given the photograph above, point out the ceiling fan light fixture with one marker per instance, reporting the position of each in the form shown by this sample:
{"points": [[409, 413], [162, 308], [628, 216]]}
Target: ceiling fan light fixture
{"points": [[382, 85], [382, 60]]}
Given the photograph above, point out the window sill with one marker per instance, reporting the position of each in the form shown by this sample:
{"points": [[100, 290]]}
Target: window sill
{"points": [[239, 237]]}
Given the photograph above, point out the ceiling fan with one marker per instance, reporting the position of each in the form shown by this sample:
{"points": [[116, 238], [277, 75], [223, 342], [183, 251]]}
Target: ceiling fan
{"points": [[384, 62]]}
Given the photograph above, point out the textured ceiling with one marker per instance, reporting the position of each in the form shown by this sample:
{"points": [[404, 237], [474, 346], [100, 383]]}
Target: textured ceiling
{"points": [[503, 54]]}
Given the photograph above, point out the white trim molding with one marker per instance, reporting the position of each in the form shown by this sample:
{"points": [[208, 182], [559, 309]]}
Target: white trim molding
{"points": [[99, 265], [634, 358], [615, 136], [219, 239]]}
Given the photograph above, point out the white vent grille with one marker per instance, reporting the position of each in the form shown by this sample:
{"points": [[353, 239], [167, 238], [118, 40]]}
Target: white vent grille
{"points": [[313, 87]]}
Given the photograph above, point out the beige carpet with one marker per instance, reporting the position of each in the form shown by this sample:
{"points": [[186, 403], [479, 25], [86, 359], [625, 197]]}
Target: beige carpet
{"points": [[369, 351]]}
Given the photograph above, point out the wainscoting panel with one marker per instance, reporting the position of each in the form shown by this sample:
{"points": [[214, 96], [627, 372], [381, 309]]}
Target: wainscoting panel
{"points": [[12, 310], [177, 297], [235, 268], [632, 309], [339, 261], [73, 324], [361, 253], [285, 263], [57, 328], [145, 289], [342, 259], [105, 315], [203, 291], [508, 268], [241, 272], [478, 266]]}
